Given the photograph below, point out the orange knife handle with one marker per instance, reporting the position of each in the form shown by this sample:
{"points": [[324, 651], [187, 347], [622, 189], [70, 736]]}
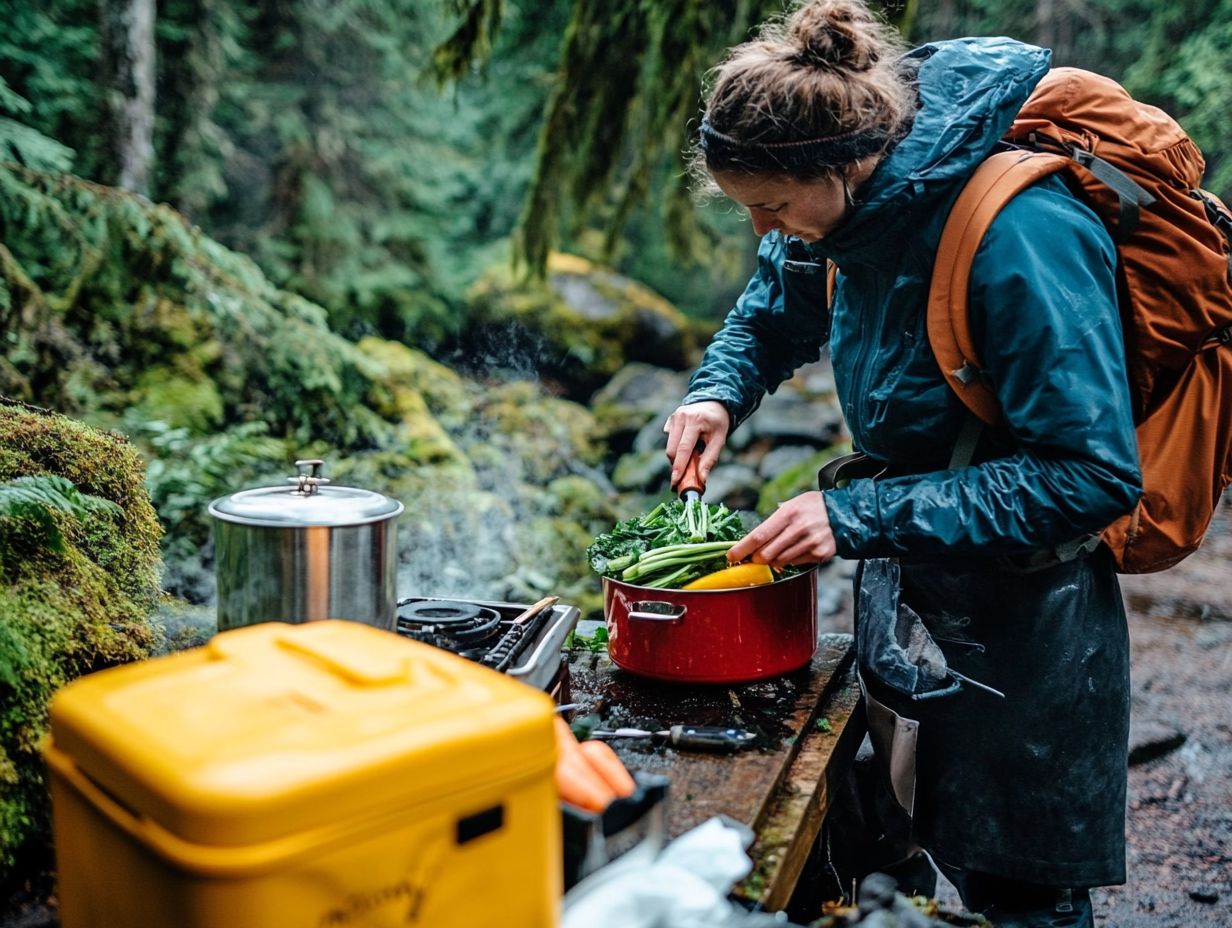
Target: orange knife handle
{"points": [[691, 479]]}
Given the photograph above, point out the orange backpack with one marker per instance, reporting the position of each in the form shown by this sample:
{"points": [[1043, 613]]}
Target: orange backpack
{"points": [[1139, 171]]}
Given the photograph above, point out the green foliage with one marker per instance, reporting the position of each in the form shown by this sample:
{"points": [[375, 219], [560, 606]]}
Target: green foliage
{"points": [[356, 162], [66, 609], [1171, 55], [48, 68], [202, 47], [1184, 68], [186, 472], [623, 114], [104, 289], [24, 145], [39, 500], [595, 643]]}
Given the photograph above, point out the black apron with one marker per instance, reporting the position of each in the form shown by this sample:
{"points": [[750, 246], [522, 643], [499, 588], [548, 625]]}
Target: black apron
{"points": [[1031, 786]]}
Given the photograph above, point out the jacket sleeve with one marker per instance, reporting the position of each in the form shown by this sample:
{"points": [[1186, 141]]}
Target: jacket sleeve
{"points": [[778, 324], [1045, 320]]}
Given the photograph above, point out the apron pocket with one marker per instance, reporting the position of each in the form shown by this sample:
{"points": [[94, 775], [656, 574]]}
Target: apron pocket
{"points": [[894, 745], [892, 644]]}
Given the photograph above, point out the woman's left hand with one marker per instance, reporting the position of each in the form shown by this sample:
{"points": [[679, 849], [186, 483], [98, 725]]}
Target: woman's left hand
{"points": [[798, 532]]}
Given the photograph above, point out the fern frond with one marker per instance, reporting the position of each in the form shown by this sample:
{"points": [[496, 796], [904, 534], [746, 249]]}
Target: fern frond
{"points": [[38, 499]]}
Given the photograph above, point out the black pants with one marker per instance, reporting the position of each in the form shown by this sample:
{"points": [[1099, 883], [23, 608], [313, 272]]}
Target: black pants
{"points": [[1013, 904], [866, 831]]}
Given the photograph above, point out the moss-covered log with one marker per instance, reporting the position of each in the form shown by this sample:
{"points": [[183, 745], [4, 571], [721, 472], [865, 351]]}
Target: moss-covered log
{"points": [[67, 612]]}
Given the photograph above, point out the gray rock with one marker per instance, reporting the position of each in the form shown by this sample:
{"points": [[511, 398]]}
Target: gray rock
{"points": [[733, 484], [651, 436], [642, 388], [781, 458], [790, 417], [816, 379], [643, 471]]}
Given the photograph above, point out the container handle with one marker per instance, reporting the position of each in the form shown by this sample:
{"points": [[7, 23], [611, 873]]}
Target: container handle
{"points": [[654, 610]]}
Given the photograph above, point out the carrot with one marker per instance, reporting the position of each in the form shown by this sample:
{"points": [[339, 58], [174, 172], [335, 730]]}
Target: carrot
{"points": [[566, 741], [577, 782], [608, 765]]}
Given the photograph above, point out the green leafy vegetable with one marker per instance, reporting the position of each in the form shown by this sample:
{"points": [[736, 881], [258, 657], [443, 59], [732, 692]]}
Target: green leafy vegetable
{"points": [[671, 545]]}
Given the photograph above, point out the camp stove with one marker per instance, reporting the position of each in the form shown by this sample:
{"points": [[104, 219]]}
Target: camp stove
{"points": [[476, 630]]}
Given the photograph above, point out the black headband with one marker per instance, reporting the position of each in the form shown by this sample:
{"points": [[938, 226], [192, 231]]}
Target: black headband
{"points": [[833, 151]]}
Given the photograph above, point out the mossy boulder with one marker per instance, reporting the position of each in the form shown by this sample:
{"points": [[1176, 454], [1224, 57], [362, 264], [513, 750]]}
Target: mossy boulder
{"points": [[638, 395], [577, 327], [396, 367], [403, 381], [68, 612], [512, 516]]}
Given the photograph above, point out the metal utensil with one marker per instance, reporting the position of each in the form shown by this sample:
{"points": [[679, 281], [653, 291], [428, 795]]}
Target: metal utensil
{"points": [[709, 738], [690, 488], [506, 649]]}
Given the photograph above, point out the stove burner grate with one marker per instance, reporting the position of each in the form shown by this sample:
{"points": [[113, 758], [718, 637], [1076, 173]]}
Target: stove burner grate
{"points": [[440, 622]]}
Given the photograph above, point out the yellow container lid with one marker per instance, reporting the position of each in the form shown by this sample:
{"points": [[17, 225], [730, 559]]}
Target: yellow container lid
{"points": [[274, 729]]}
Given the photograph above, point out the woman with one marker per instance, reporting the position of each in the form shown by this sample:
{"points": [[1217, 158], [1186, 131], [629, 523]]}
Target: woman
{"points": [[841, 147]]}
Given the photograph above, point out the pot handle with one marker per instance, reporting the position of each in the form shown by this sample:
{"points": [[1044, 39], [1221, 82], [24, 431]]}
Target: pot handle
{"points": [[653, 610]]}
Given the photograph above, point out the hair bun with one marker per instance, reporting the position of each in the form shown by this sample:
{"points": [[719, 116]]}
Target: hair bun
{"points": [[835, 34]]}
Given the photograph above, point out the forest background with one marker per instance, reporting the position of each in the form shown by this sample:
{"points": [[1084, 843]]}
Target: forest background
{"points": [[387, 161], [418, 238]]}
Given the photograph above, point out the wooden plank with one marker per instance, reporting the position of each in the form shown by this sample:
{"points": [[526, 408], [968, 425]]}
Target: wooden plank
{"points": [[790, 825], [741, 786]]}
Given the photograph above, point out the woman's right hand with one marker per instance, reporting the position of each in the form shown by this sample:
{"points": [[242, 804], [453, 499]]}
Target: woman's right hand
{"points": [[706, 422]]}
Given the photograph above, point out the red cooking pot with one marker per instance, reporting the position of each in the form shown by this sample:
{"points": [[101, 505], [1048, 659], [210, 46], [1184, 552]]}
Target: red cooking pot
{"points": [[712, 636]]}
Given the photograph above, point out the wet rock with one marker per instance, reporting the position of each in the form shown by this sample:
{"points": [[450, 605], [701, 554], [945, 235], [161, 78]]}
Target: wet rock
{"points": [[577, 328], [784, 458], [638, 397], [641, 471], [651, 436], [733, 484], [791, 482], [789, 416]]}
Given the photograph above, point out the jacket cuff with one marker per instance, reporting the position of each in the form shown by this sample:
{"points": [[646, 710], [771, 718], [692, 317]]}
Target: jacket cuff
{"points": [[854, 519]]}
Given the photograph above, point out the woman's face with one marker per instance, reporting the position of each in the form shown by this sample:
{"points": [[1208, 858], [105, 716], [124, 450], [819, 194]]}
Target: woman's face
{"points": [[808, 210]]}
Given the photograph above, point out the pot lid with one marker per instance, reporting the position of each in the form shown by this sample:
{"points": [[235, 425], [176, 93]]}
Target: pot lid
{"points": [[308, 500]]}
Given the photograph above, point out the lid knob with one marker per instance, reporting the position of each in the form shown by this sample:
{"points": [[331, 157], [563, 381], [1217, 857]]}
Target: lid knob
{"points": [[307, 483]]}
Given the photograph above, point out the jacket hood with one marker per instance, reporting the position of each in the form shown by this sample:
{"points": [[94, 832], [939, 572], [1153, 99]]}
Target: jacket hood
{"points": [[970, 90]]}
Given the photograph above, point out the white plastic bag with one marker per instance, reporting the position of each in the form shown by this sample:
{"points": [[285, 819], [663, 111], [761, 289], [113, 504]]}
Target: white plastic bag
{"points": [[684, 886]]}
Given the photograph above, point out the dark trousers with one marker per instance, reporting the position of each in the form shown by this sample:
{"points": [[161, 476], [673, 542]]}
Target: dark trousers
{"points": [[1014, 904], [866, 831]]}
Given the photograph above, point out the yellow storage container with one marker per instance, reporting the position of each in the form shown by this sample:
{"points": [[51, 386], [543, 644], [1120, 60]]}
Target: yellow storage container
{"points": [[327, 775]]}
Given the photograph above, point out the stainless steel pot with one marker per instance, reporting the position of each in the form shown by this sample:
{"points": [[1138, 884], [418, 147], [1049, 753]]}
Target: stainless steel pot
{"points": [[305, 551]]}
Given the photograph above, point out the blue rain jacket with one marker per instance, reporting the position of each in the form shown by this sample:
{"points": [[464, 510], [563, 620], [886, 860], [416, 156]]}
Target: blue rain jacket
{"points": [[1043, 314], [1030, 786]]}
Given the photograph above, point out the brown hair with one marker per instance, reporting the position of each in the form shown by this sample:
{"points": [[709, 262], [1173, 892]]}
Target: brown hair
{"points": [[812, 92]]}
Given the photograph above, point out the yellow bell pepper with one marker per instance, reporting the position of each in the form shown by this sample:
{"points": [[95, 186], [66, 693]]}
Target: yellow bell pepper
{"points": [[737, 575]]}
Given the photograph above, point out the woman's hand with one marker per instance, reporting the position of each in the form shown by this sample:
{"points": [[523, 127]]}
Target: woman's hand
{"points": [[798, 532], [707, 422]]}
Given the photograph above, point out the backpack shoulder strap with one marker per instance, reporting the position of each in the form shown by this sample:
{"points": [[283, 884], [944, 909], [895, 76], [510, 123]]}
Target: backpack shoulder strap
{"points": [[996, 181]]}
